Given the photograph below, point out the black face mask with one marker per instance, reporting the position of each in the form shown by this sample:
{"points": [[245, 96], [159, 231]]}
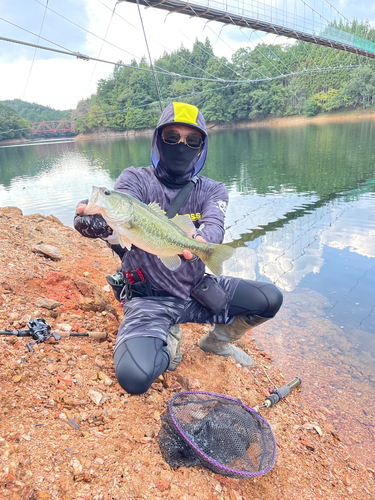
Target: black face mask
{"points": [[178, 157]]}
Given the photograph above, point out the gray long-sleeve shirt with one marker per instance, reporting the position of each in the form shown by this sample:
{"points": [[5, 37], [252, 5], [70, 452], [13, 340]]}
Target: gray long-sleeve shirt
{"points": [[206, 205]]}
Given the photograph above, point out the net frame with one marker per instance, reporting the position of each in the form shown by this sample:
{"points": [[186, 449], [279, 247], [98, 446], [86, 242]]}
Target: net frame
{"points": [[207, 461]]}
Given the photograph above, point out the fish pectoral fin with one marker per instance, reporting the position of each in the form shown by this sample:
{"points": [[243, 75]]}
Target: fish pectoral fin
{"points": [[185, 224], [124, 242], [155, 207], [172, 263]]}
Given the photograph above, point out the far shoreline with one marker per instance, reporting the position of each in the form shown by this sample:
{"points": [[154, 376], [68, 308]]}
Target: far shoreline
{"points": [[270, 122]]}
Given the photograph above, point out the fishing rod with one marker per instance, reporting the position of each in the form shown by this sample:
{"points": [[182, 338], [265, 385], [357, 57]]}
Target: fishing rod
{"points": [[277, 394], [40, 331]]}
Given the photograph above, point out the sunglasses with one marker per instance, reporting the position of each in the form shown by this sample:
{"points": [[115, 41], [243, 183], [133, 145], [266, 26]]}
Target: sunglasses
{"points": [[172, 137]]}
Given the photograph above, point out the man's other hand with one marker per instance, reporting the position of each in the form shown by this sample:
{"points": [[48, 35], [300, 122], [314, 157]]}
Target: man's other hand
{"points": [[81, 207], [186, 253]]}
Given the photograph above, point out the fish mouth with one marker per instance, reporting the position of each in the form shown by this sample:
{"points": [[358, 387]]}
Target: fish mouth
{"points": [[94, 205], [92, 208]]}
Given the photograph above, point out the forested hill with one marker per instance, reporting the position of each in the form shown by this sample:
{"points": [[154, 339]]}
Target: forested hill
{"points": [[128, 98], [17, 115], [33, 112]]}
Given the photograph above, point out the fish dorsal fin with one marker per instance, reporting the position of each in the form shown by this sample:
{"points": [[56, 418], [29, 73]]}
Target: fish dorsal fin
{"points": [[185, 224], [155, 207]]}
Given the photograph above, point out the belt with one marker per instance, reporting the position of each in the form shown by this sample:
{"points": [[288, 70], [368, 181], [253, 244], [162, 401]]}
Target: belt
{"points": [[161, 293]]}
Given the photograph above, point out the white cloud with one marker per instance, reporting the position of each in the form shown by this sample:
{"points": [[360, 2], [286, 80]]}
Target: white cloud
{"points": [[360, 238]]}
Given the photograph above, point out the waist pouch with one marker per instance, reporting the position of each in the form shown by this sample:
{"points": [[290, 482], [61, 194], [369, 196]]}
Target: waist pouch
{"points": [[129, 285], [210, 294]]}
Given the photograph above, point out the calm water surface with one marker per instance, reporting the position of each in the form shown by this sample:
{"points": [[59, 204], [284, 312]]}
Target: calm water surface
{"points": [[301, 215]]}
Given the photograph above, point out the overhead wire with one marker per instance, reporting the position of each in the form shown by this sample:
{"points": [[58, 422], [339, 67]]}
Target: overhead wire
{"points": [[191, 94], [34, 34], [195, 14], [159, 43], [235, 82], [127, 52], [92, 34], [200, 46], [120, 48], [206, 24], [90, 58], [101, 48], [150, 59], [32, 62]]}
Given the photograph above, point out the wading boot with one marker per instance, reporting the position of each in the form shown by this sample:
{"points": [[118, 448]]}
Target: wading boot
{"points": [[218, 338], [173, 347]]}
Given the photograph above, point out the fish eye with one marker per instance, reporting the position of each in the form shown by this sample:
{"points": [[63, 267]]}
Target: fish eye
{"points": [[107, 192]]}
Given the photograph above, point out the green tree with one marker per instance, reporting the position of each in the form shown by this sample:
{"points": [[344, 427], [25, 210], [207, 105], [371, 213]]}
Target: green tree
{"points": [[11, 124]]}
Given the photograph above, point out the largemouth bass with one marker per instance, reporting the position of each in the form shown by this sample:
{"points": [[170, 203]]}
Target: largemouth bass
{"points": [[148, 228]]}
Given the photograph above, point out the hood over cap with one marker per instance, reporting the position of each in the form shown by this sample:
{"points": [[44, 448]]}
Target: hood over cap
{"points": [[182, 114]]}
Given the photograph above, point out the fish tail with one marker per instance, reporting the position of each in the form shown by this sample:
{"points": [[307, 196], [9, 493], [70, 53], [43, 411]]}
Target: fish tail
{"points": [[214, 261]]}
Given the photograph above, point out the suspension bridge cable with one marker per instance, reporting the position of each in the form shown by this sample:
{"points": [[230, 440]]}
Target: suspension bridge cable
{"points": [[93, 34], [139, 68], [238, 74], [202, 49], [101, 48], [167, 72], [342, 15], [192, 94], [270, 50], [277, 69], [313, 10], [127, 52], [149, 56], [32, 62], [31, 33], [206, 24], [159, 43]]}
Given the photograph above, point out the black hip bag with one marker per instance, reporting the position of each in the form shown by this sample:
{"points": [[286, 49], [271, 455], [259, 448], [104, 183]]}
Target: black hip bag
{"points": [[210, 295]]}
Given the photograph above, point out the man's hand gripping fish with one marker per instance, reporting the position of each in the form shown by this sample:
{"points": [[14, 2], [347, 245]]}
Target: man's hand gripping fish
{"points": [[147, 227]]}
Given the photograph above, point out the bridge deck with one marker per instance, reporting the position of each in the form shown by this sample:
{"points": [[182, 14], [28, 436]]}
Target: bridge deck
{"points": [[354, 44]]}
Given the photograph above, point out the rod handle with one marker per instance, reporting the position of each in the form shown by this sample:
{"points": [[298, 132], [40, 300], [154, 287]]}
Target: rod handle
{"points": [[91, 335], [16, 333]]}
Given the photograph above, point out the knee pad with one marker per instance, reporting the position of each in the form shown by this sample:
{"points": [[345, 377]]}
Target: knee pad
{"points": [[275, 299], [138, 363], [256, 297]]}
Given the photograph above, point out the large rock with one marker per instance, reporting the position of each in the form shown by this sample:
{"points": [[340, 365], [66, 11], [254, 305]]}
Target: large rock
{"points": [[48, 251]]}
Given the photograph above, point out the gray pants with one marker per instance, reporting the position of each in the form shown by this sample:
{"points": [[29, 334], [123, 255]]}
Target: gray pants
{"points": [[139, 358]]}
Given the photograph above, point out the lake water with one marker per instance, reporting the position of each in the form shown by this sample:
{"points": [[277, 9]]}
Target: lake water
{"points": [[301, 215]]}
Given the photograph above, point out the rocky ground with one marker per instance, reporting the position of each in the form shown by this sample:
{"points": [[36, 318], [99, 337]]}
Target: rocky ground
{"points": [[68, 430]]}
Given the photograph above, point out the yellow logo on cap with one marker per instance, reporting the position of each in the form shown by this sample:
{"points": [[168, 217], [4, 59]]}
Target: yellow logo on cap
{"points": [[185, 113]]}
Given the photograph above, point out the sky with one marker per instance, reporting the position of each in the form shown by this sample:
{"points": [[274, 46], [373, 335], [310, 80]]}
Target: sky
{"points": [[61, 81]]}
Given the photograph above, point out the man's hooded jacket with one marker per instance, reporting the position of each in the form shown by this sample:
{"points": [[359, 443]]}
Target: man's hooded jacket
{"points": [[206, 203]]}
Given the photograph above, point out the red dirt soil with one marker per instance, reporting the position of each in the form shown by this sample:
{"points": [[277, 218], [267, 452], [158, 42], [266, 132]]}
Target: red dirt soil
{"points": [[68, 430]]}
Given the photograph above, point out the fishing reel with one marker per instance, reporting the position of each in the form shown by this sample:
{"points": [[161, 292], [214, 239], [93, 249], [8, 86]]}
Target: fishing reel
{"points": [[40, 331]]}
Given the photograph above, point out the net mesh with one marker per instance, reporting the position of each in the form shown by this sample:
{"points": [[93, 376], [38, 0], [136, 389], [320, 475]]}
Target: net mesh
{"points": [[217, 432]]}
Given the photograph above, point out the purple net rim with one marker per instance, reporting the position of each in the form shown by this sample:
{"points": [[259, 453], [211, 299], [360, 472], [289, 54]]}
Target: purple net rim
{"points": [[219, 465]]}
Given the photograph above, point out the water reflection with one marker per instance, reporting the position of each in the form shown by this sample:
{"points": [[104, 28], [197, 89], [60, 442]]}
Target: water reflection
{"points": [[301, 215], [294, 194]]}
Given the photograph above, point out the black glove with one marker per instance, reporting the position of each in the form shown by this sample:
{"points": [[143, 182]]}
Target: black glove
{"points": [[91, 226]]}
